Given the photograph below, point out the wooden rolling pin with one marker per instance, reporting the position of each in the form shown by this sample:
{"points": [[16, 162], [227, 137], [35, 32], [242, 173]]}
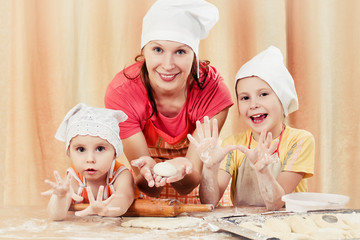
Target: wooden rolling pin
{"points": [[156, 208]]}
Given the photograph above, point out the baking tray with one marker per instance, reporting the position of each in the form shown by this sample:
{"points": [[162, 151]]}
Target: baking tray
{"points": [[231, 223]]}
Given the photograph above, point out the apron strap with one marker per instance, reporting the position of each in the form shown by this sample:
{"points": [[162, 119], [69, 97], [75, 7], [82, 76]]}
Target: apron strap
{"points": [[82, 184]]}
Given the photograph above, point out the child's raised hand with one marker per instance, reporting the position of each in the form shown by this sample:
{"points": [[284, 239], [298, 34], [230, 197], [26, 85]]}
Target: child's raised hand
{"points": [[262, 155], [98, 206], [146, 165], [209, 145], [61, 188]]}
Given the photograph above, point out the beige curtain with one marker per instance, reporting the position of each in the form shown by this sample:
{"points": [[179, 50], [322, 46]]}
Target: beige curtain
{"points": [[57, 53]]}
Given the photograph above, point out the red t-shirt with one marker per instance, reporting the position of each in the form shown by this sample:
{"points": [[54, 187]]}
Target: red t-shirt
{"points": [[129, 95]]}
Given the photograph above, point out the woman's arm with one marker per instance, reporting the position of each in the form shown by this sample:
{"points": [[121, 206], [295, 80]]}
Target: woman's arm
{"points": [[192, 180], [135, 148]]}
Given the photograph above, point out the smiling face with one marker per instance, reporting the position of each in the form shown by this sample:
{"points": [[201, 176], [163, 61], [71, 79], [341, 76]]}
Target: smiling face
{"points": [[169, 64], [259, 106], [92, 156]]}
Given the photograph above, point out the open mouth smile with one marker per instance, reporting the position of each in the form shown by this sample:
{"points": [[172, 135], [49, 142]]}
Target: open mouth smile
{"points": [[167, 77], [259, 118]]}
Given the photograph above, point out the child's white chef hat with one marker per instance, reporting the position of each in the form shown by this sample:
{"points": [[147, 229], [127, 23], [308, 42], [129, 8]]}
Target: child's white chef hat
{"points": [[183, 21], [269, 66], [99, 122]]}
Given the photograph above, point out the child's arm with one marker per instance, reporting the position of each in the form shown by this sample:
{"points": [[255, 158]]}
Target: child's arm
{"points": [[124, 194], [273, 189], [61, 196], [213, 181], [117, 204], [270, 190], [213, 184]]}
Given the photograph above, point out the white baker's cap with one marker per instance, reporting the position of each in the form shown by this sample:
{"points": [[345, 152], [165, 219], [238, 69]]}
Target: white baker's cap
{"points": [[269, 66], [183, 21], [99, 122]]}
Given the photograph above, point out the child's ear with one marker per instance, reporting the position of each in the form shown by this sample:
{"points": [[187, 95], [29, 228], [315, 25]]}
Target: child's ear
{"points": [[68, 152], [115, 153]]}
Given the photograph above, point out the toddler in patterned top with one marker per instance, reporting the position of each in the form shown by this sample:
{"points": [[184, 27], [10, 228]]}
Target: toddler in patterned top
{"points": [[93, 144]]}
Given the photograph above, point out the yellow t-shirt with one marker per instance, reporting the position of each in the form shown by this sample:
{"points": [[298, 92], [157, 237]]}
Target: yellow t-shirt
{"points": [[296, 153]]}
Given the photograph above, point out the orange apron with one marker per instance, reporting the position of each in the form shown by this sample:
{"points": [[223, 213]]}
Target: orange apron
{"points": [[113, 173], [163, 147]]}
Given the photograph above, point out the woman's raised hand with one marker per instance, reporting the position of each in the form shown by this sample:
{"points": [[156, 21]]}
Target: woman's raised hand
{"points": [[208, 145]]}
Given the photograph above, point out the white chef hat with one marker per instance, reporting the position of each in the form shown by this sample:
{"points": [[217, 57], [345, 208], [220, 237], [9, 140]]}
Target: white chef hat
{"points": [[269, 66], [99, 122], [183, 21]]}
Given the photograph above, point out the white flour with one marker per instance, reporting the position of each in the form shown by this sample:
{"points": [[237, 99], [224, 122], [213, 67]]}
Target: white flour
{"points": [[33, 223]]}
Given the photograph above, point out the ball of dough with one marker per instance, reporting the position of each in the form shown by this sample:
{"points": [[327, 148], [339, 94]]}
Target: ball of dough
{"points": [[331, 233], [256, 227], [326, 221], [165, 169], [300, 224], [291, 236], [355, 233], [277, 225], [351, 219]]}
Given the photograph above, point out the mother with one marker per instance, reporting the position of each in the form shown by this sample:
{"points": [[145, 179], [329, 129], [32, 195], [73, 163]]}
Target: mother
{"points": [[165, 92]]}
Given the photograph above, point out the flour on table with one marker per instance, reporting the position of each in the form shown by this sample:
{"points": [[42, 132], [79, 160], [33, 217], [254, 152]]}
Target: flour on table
{"points": [[163, 222], [165, 169]]}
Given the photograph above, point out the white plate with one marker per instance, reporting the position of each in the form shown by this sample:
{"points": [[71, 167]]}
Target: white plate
{"points": [[305, 201]]}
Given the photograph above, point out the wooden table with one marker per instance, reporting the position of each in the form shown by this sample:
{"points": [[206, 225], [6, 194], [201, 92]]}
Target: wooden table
{"points": [[33, 223]]}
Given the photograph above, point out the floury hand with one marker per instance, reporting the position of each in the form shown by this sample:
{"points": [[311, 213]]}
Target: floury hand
{"points": [[208, 145]]}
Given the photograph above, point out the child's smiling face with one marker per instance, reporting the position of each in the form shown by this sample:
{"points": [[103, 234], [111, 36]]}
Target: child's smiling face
{"points": [[259, 106], [92, 156]]}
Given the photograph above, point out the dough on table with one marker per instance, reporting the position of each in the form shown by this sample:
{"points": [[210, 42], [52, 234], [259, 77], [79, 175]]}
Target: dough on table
{"points": [[163, 222], [331, 233], [355, 233], [333, 221], [165, 169], [256, 227], [301, 224], [268, 230], [351, 219], [277, 225], [292, 236]]}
